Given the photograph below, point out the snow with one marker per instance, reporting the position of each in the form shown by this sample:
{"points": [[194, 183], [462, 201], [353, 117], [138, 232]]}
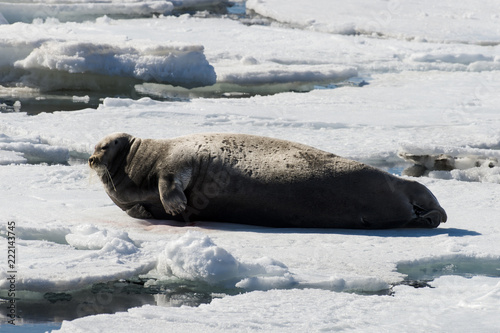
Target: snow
{"points": [[430, 74], [421, 21]]}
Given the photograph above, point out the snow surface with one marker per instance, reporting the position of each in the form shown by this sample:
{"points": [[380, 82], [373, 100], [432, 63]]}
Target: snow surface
{"points": [[432, 89], [423, 21]]}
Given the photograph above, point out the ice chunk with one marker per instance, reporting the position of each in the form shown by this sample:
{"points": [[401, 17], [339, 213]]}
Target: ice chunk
{"points": [[50, 64], [79, 10], [21, 152], [305, 73], [90, 237], [51, 234], [482, 174], [15, 11], [267, 282], [460, 163], [464, 59], [195, 257], [81, 99], [11, 157]]}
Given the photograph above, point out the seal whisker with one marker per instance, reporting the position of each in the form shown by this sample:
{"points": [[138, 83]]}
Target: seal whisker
{"points": [[91, 176], [110, 178]]}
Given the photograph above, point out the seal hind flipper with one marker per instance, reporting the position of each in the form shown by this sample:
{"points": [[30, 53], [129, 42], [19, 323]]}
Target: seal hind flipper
{"points": [[434, 218], [138, 211], [427, 219], [172, 195]]}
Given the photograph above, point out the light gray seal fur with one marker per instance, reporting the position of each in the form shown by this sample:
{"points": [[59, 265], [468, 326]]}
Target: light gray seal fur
{"points": [[256, 180]]}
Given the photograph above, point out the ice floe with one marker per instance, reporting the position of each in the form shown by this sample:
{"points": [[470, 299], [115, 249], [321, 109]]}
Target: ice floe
{"points": [[30, 151], [78, 10], [422, 21], [94, 66], [430, 90]]}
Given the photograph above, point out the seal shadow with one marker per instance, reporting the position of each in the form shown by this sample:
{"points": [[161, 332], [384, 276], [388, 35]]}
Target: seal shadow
{"points": [[398, 232], [411, 232]]}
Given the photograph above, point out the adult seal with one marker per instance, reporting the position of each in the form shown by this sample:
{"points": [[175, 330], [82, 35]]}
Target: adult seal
{"points": [[256, 180]]}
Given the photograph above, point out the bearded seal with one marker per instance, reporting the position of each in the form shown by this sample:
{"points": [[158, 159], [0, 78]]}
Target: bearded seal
{"points": [[256, 180]]}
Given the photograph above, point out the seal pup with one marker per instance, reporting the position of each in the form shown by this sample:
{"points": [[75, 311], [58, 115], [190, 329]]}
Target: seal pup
{"points": [[256, 180]]}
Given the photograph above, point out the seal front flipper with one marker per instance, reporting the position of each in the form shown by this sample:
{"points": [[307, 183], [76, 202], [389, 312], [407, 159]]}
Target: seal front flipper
{"points": [[172, 195], [139, 212]]}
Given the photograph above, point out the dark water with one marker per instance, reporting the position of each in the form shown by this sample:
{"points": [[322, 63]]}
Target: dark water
{"points": [[45, 309], [38, 102], [29, 327]]}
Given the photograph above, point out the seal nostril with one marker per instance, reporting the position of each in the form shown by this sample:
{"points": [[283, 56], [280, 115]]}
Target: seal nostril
{"points": [[91, 160]]}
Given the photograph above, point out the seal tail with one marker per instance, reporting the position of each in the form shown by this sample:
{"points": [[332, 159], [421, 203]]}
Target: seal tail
{"points": [[428, 218]]}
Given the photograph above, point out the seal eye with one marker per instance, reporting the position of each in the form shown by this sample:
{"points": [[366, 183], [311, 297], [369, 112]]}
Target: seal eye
{"points": [[104, 147]]}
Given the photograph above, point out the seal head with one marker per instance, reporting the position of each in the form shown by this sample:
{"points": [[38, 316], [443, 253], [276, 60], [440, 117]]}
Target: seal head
{"points": [[109, 153]]}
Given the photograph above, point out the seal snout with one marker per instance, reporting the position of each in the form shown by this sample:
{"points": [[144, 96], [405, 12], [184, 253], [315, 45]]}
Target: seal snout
{"points": [[93, 161]]}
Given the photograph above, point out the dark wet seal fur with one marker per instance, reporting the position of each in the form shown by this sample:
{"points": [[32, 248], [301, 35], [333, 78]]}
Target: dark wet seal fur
{"points": [[256, 180]]}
